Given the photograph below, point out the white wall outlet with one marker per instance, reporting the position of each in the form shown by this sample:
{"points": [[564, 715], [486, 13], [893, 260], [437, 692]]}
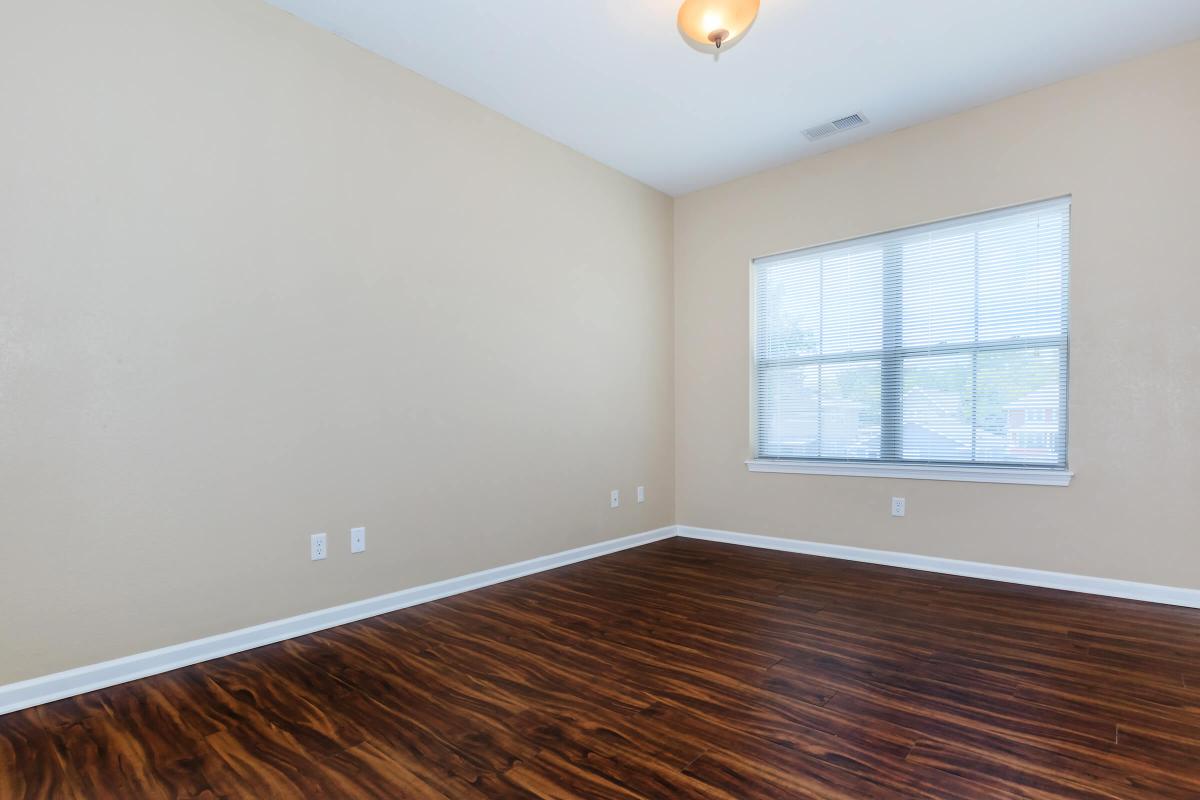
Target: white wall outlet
{"points": [[358, 540], [317, 549], [641, 494], [897, 506], [614, 499]]}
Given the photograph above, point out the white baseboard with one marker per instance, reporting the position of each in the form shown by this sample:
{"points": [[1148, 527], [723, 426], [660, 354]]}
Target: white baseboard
{"points": [[1107, 587], [25, 694]]}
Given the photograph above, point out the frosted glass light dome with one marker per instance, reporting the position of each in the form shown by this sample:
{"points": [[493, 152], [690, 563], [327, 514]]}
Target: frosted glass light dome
{"points": [[716, 23]]}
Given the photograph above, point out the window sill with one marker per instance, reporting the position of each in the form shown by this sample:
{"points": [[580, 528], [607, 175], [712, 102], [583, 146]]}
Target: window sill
{"points": [[927, 472]]}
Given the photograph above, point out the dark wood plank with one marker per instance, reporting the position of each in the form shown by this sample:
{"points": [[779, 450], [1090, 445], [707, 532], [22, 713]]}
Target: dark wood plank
{"points": [[32, 764], [682, 669]]}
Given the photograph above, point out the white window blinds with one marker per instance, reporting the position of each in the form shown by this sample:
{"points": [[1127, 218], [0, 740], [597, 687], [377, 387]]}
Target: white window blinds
{"points": [[940, 344]]}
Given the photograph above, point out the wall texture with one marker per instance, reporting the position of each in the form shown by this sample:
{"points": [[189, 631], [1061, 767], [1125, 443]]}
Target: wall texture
{"points": [[1123, 143], [257, 283]]}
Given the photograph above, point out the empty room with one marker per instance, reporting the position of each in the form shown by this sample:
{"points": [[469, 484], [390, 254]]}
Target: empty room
{"points": [[713, 399]]}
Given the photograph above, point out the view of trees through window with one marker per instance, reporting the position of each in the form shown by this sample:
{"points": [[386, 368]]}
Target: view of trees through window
{"points": [[943, 344]]}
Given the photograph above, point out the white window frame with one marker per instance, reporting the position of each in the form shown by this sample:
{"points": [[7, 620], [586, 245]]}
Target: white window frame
{"points": [[976, 473]]}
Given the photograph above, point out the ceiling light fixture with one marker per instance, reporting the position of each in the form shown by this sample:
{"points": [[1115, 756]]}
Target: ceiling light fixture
{"points": [[713, 23]]}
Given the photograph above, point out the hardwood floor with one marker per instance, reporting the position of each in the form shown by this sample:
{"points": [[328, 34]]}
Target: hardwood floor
{"points": [[682, 669]]}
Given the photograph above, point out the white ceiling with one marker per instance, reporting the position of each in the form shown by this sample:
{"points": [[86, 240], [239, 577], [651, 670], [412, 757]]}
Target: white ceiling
{"points": [[614, 79]]}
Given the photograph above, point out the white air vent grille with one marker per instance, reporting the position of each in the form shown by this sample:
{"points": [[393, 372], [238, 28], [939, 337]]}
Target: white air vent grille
{"points": [[820, 131], [852, 121], [837, 126]]}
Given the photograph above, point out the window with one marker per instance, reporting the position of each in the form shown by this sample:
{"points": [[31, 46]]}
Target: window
{"points": [[943, 345]]}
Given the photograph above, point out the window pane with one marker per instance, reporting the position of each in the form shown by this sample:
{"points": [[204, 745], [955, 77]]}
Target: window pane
{"points": [[938, 273], [937, 409], [788, 309], [1021, 271], [789, 401], [852, 302], [825, 410], [850, 410], [1019, 402]]}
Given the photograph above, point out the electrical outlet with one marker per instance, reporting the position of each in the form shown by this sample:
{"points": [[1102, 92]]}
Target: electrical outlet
{"points": [[897, 506], [358, 540], [641, 494], [614, 499], [317, 549]]}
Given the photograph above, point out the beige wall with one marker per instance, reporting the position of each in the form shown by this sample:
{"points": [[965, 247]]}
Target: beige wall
{"points": [[1124, 143], [256, 283]]}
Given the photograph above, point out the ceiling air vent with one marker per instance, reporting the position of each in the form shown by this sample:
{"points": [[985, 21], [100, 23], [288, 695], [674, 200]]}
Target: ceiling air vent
{"points": [[837, 126], [852, 121]]}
